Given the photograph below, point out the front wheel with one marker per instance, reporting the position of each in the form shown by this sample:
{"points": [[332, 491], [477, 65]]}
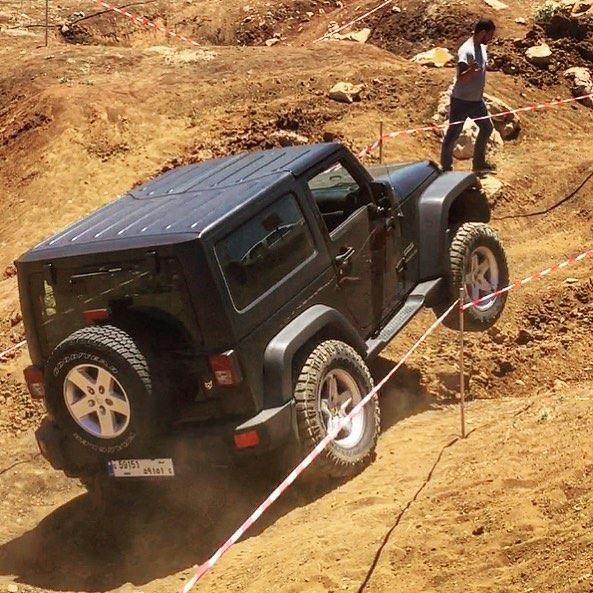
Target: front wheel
{"points": [[477, 262], [331, 382]]}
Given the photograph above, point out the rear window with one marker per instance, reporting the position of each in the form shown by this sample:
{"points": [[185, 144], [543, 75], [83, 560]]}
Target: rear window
{"points": [[260, 253], [59, 306]]}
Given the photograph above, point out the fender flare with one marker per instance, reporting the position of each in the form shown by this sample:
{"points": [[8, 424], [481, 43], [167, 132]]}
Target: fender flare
{"points": [[449, 192], [280, 352]]}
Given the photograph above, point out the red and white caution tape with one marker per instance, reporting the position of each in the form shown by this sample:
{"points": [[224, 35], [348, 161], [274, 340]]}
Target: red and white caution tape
{"points": [[146, 22], [360, 18], [435, 127], [300, 468], [14, 348], [537, 276]]}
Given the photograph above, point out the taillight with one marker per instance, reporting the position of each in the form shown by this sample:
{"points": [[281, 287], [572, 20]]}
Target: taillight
{"points": [[95, 314], [225, 368], [35, 382], [247, 439]]}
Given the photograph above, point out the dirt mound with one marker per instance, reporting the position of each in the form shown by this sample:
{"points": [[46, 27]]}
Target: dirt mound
{"points": [[281, 21], [261, 131], [202, 21], [508, 56], [420, 26]]}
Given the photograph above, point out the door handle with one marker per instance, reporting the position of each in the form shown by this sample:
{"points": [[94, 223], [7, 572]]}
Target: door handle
{"points": [[344, 256]]}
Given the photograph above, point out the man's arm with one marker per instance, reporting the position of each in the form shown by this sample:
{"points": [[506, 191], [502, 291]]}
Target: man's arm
{"points": [[466, 71]]}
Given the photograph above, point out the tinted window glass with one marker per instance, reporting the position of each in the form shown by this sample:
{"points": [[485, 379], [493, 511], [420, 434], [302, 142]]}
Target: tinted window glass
{"points": [[58, 308], [337, 194], [263, 251]]}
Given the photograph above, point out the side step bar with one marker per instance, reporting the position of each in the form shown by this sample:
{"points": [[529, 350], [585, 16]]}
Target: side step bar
{"points": [[426, 293]]}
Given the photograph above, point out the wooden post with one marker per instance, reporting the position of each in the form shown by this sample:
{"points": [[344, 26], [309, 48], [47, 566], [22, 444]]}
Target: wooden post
{"points": [[462, 361], [46, 23], [381, 142]]}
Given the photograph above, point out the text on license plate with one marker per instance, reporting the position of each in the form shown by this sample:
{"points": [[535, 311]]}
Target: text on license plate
{"points": [[140, 468]]}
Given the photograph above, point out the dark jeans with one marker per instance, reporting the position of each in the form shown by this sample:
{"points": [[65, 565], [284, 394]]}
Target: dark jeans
{"points": [[460, 111]]}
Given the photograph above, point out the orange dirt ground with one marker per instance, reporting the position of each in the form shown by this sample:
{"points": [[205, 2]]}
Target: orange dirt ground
{"points": [[109, 104]]}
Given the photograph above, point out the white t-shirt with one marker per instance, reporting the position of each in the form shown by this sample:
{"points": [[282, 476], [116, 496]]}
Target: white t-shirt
{"points": [[472, 53]]}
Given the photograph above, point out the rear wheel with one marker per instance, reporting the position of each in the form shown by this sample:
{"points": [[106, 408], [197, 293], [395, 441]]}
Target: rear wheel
{"points": [[331, 382], [477, 262], [99, 389]]}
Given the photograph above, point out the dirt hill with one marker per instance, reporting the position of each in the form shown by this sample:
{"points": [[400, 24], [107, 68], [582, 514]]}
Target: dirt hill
{"points": [[110, 104]]}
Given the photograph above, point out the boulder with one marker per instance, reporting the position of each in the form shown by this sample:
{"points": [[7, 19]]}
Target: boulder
{"points": [[464, 147], [580, 8], [582, 84], [346, 92], [492, 187], [508, 126], [361, 36], [496, 4], [437, 57], [540, 55]]}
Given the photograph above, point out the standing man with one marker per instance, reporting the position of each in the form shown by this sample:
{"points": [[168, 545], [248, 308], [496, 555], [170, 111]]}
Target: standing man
{"points": [[467, 97]]}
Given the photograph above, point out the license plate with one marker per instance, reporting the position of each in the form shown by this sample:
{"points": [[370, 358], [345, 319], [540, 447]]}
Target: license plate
{"points": [[141, 468]]}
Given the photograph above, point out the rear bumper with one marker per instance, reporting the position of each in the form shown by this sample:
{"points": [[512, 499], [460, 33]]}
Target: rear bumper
{"points": [[189, 446]]}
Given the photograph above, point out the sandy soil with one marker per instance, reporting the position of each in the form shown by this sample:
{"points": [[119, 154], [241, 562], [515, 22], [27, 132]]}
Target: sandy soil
{"points": [[109, 105]]}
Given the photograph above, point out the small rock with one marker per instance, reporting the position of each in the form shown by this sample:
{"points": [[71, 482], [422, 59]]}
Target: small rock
{"points": [[559, 384], [9, 272], [346, 92], [582, 83], [492, 187], [523, 337], [478, 530], [289, 138], [520, 383], [2, 400], [396, 9], [12, 588], [15, 318], [521, 21], [496, 4], [437, 57], [540, 55], [580, 8], [571, 281], [361, 36], [272, 41]]}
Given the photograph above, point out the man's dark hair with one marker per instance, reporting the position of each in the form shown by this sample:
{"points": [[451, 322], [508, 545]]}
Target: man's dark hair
{"points": [[484, 25]]}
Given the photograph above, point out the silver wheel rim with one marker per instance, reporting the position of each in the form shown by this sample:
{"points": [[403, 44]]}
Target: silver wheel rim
{"points": [[481, 277], [96, 401], [338, 395]]}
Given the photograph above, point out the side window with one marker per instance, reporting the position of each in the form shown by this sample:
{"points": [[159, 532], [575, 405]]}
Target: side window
{"points": [[264, 250], [337, 194]]}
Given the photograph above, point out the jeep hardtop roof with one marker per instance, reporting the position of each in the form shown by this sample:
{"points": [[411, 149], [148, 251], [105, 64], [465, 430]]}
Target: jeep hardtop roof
{"points": [[182, 204]]}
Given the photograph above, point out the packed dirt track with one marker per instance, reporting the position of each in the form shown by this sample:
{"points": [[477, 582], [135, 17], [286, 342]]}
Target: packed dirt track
{"points": [[110, 104]]}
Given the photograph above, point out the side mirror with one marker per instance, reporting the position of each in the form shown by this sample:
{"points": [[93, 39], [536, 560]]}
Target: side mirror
{"points": [[384, 195]]}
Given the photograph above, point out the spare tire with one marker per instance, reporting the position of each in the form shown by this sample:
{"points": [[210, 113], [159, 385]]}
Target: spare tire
{"points": [[99, 390]]}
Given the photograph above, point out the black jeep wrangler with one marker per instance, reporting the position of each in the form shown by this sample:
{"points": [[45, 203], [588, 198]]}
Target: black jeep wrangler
{"points": [[231, 307]]}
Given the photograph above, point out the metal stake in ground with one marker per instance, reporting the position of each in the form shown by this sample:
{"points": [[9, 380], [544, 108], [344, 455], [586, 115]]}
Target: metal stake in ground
{"points": [[462, 360], [46, 23], [381, 142]]}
